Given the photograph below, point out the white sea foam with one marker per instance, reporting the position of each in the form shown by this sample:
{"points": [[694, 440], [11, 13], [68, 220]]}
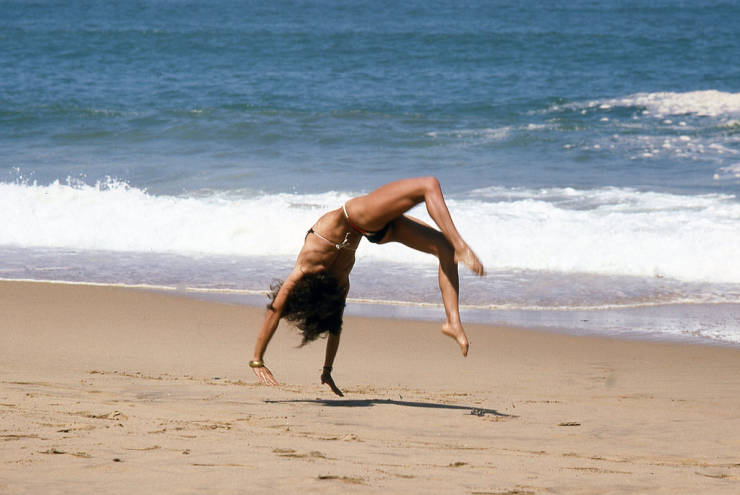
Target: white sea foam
{"points": [[487, 134], [619, 232], [609, 231], [706, 103], [113, 216], [728, 172]]}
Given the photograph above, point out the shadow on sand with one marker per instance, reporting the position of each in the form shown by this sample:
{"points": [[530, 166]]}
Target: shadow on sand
{"points": [[474, 411]]}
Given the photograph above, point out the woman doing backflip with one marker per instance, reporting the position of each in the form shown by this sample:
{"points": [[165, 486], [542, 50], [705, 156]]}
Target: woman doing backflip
{"points": [[314, 294]]}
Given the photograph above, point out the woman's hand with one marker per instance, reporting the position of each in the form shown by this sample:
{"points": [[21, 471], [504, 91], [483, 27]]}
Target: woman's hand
{"points": [[264, 375], [327, 379]]}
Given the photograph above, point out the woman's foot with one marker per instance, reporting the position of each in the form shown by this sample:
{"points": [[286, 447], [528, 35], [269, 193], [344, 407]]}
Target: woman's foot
{"points": [[467, 257], [458, 334]]}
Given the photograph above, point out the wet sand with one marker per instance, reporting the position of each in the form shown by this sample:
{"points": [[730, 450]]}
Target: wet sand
{"points": [[115, 390]]}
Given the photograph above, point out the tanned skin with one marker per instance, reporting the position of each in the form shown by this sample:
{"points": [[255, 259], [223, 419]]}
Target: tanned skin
{"points": [[386, 205]]}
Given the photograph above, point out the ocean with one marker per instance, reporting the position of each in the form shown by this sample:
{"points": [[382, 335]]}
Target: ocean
{"points": [[589, 151]]}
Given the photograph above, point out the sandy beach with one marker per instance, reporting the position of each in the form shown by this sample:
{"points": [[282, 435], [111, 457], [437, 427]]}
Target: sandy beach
{"points": [[116, 390]]}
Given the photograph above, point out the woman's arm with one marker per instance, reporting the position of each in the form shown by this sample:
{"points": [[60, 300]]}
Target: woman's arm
{"points": [[269, 325]]}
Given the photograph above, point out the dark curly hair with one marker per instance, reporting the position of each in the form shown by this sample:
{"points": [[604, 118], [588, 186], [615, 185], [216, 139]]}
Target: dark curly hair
{"points": [[315, 305]]}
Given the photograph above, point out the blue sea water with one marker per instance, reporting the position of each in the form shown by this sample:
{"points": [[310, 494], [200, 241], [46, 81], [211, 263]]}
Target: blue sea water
{"points": [[590, 151]]}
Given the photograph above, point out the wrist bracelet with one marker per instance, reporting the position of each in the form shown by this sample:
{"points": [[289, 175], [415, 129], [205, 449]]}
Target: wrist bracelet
{"points": [[257, 364]]}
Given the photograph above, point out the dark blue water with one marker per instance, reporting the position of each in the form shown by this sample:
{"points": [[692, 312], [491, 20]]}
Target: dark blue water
{"points": [[176, 96]]}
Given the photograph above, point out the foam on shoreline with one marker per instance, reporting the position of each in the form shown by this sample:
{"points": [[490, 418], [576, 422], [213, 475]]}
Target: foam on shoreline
{"points": [[606, 231]]}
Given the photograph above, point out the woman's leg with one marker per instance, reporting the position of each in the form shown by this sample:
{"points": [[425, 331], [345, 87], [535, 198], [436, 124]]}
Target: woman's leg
{"points": [[375, 210], [417, 235]]}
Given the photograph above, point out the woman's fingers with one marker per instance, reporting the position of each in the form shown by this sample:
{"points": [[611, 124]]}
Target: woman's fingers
{"points": [[265, 376], [327, 379], [335, 389]]}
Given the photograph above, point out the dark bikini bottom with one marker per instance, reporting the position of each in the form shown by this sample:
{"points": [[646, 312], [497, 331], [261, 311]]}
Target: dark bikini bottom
{"points": [[377, 236]]}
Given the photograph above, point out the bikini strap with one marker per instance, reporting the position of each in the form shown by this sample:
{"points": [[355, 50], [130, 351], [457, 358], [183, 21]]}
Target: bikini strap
{"points": [[342, 245], [354, 227]]}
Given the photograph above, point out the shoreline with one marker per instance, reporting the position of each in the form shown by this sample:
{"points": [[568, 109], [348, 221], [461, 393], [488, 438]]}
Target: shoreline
{"points": [[115, 389], [587, 321]]}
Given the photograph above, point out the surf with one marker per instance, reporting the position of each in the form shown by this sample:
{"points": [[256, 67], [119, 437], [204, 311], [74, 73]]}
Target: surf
{"points": [[606, 231]]}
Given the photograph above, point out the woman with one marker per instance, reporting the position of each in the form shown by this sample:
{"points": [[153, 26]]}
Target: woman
{"points": [[314, 294]]}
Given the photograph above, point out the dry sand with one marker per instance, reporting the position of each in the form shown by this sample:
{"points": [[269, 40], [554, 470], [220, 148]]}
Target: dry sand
{"points": [[108, 390]]}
